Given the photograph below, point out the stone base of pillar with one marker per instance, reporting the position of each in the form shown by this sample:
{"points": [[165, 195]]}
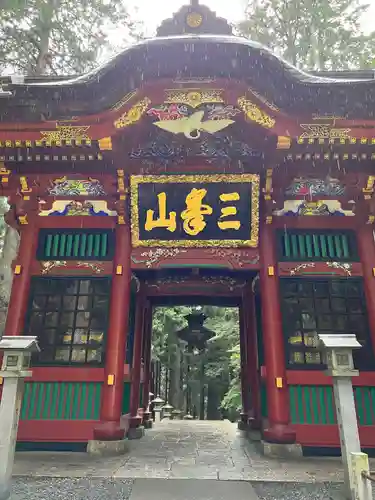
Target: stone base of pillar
{"points": [[146, 415], [135, 422], [5, 492], [277, 450], [254, 435], [242, 426], [254, 423], [279, 434], [136, 432], [111, 431], [107, 448], [148, 424]]}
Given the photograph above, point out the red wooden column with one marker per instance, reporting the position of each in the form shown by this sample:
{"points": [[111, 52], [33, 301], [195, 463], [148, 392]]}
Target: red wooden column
{"points": [[147, 357], [252, 359], [366, 250], [278, 430], [111, 427], [244, 369], [15, 322], [140, 316]]}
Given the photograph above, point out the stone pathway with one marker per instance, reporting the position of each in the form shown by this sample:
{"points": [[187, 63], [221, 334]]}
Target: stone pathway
{"points": [[183, 450], [190, 489], [214, 456]]}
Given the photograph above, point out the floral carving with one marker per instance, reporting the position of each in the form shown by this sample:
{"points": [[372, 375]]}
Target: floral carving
{"points": [[152, 256]]}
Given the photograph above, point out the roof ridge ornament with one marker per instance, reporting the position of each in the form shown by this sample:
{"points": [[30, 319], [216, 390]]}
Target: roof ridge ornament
{"points": [[194, 18]]}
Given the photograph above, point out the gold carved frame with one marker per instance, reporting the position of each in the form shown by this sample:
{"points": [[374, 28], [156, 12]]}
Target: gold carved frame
{"points": [[252, 179]]}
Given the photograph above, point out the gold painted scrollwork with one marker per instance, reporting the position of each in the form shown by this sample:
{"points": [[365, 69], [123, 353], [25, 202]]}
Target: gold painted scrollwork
{"points": [[134, 114], [255, 114]]}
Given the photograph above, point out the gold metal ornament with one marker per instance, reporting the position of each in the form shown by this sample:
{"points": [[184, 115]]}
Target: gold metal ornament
{"points": [[66, 133], [255, 114], [192, 126], [134, 114], [194, 19], [194, 97], [323, 131]]}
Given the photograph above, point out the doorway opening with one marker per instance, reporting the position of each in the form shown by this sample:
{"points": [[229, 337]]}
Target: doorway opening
{"points": [[196, 361]]}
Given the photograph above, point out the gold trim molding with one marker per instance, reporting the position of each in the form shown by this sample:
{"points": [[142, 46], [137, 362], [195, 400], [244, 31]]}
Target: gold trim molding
{"points": [[193, 97]]}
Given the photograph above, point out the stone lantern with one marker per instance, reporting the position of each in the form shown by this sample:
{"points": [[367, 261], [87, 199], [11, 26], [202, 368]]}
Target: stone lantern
{"points": [[158, 405], [195, 334], [338, 354]]}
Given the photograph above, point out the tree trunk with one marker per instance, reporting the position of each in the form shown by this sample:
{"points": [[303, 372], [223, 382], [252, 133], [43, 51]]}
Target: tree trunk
{"points": [[174, 374], [46, 15], [8, 254], [213, 402]]}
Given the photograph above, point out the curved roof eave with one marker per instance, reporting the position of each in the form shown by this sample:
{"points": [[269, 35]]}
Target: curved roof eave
{"points": [[294, 72]]}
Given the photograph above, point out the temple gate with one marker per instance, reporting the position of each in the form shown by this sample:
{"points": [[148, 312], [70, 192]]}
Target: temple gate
{"points": [[193, 166]]}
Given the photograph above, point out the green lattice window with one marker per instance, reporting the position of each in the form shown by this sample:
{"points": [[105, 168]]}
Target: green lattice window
{"points": [[75, 244], [317, 245], [323, 306]]}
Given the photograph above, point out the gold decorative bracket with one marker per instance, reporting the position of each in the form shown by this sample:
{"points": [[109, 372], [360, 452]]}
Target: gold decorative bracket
{"points": [[22, 219], [4, 174], [268, 188], [121, 184], [105, 144], [368, 191], [25, 189], [18, 269], [283, 142]]}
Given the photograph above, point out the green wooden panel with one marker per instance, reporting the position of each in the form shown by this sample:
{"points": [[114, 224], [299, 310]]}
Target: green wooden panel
{"points": [[345, 246], [315, 405], [62, 249], [126, 398], [75, 245], [48, 245], [315, 246], [309, 246], [61, 401], [323, 245]]}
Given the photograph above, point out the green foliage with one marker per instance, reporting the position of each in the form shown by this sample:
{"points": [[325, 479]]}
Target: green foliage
{"points": [[166, 321], [221, 360], [312, 34], [232, 399], [60, 36]]}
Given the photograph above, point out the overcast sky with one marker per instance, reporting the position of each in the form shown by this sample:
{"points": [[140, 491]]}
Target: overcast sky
{"points": [[152, 12]]}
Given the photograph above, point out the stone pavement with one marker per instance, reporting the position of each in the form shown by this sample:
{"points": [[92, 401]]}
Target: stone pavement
{"points": [[188, 489], [183, 450], [214, 456]]}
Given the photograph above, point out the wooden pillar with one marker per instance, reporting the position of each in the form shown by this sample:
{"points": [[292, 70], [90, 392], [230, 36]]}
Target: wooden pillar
{"points": [[147, 357], [253, 381], [366, 250], [278, 430], [111, 427], [15, 322], [244, 368], [140, 314]]}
